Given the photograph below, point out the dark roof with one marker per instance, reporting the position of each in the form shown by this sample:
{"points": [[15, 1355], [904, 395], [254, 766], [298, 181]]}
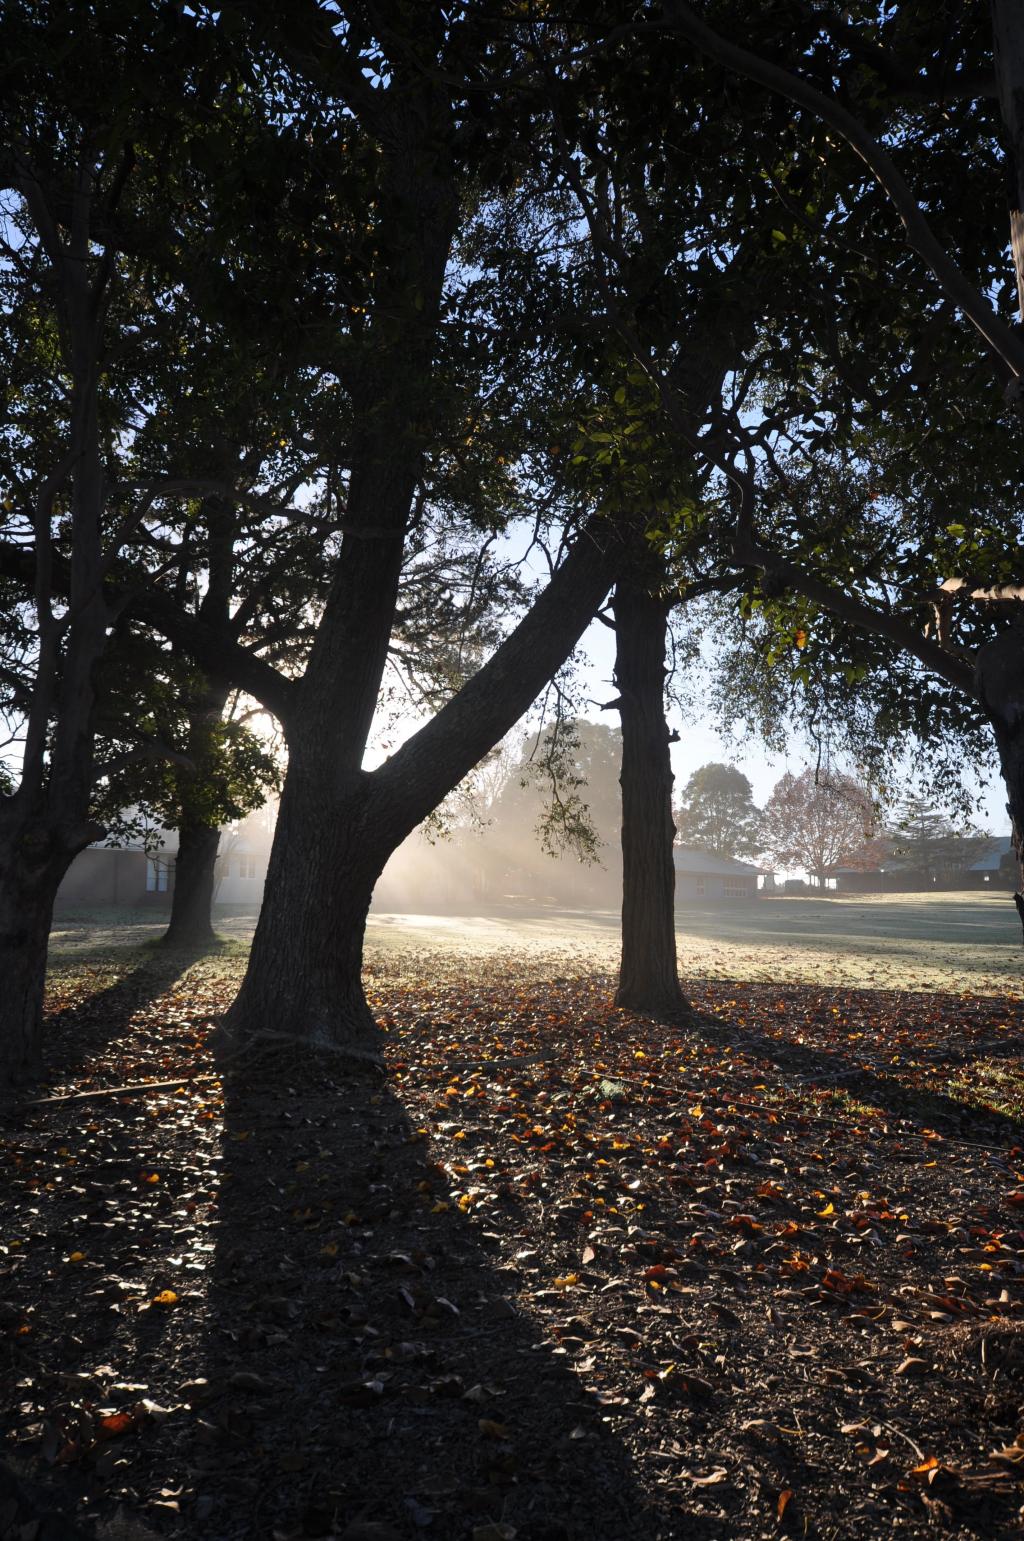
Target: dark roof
{"points": [[687, 859], [992, 859]]}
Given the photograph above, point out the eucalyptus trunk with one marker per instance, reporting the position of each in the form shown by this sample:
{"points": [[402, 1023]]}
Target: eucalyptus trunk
{"points": [[648, 973]]}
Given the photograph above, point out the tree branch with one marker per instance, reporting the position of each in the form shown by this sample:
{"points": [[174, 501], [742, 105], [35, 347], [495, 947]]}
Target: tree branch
{"points": [[1004, 343]]}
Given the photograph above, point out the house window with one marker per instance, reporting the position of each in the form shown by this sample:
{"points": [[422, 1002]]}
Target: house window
{"points": [[734, 890], [156, 876], [700, 888], [247, 867]]}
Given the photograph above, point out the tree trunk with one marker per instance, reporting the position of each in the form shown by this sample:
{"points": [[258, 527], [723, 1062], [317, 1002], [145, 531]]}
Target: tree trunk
{"points": [[648, 974], [304, 978], [190, 925], [27, 893], [999, 673], [336, 828]]}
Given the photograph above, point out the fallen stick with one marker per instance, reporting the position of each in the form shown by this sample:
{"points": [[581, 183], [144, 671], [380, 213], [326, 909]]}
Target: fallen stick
{"points": [[116, 1091]]}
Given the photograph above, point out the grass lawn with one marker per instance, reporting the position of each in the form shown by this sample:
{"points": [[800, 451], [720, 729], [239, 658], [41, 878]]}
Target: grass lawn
{"points": [[949, 941]]}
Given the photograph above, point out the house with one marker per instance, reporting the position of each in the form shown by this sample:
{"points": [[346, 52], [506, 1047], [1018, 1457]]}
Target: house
{"points": [[994, 868], [131, 877], [126, 876], [703, 875]]}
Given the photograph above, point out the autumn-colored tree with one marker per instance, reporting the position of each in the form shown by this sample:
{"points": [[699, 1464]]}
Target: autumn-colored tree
{"points": [[817, 820]]}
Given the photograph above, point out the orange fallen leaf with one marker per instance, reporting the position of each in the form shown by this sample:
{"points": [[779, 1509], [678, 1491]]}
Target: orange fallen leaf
{"points": [[113, 1424]]}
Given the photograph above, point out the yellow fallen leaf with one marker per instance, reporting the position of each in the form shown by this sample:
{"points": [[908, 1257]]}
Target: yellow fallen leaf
{"points": [[165, 1298]]}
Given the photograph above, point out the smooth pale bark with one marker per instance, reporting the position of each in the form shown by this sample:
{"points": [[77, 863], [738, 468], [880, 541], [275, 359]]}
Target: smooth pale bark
{"points": [[648, 972], [195, 872], [337, 826]]}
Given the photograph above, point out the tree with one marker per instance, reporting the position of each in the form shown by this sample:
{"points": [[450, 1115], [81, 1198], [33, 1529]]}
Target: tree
{"points": [[339, 823], [972, 282], [923, 838], [716, 812], [817, 820], [82, 168], [648, 972]]}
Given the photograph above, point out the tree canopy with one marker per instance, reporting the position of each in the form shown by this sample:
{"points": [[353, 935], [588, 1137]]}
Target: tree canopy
{"points": [[818, 820], [716, 812]]}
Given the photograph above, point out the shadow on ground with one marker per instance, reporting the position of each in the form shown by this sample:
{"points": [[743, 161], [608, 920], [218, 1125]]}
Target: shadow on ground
{"points": [[118, 1014], [818, 1068], [365, 1353]]}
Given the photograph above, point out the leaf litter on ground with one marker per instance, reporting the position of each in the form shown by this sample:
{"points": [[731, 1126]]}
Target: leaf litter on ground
{"points": [[566, 1271]]}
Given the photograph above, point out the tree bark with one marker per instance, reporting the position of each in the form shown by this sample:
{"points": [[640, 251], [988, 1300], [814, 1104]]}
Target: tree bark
{"points": [[648, 973], [30, 874], [191, 924]]}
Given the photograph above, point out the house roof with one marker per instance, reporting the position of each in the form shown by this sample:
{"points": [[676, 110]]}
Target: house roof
{"points": [[992, 857], [688, 859], [999, 847]]}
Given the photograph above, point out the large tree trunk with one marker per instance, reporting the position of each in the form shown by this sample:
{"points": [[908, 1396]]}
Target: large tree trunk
{"points": [[28, 888], [337, 827], [648, 974], [190, 925], [304, 978], [999, 672]]}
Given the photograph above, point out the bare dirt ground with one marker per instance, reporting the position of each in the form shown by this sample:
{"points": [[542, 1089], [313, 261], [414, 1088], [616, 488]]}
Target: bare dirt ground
{"points": [[565, 1274]]}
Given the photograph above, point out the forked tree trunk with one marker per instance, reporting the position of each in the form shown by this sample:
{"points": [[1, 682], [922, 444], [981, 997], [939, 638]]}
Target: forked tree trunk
{"points": [[337, 827], [191, 925], [648, 974]]}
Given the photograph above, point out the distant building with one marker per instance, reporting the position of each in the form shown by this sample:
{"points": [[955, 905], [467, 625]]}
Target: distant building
{"points": [[702, 875], [130, 877], [994, 868]]}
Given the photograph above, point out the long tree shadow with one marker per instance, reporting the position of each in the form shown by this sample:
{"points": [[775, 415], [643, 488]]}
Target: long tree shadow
{"points": [[372, 1361], [82, 1035], [818, 1068]]}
